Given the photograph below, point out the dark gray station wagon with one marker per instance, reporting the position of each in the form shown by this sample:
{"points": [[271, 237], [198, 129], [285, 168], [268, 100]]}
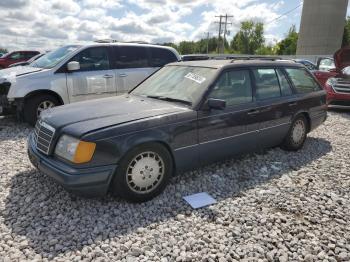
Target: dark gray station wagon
{"points": [[185, 115]]}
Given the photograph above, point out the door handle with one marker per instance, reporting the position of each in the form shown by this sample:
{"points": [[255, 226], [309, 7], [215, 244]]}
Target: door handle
{"points": [[107, 76], [253, 112], [123, 75], [292, 104]]}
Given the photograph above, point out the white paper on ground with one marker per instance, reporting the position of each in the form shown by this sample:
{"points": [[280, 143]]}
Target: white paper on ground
{"points": [[199, 200]]}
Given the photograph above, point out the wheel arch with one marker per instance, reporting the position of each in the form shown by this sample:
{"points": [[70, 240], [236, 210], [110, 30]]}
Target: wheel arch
{"points": [[44, 92], [156, 141]]}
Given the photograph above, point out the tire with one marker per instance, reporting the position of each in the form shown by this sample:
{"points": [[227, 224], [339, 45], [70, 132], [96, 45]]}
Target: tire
{"points": [[296, 135], [136, 173], [31, 106]]}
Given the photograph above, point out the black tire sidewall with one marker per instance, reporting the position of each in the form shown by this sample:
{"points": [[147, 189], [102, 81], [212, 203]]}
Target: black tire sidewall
{"points": [[289, 143], [119, 185], [31, 106]]}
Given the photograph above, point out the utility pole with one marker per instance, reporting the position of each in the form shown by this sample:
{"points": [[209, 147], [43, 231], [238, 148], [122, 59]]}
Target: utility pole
{"points": [[225, 31], [221, 46], [219, 36], [207, 33]]}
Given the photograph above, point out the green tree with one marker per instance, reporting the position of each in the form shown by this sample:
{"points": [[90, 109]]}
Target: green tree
{"points": [[3, 50], [186, 47], [346, 36], [288, 46], [266, 50], [249, 38]]}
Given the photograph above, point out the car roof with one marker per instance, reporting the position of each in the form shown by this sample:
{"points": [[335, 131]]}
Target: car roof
{"points": [[228, 63], [126, 44]]}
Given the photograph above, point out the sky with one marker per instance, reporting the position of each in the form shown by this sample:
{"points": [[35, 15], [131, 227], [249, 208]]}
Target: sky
{"points": [[46, 24]]}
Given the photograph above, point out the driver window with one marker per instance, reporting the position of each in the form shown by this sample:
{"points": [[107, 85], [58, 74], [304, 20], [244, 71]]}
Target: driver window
{"points": [[93, 59], [234, 87]]}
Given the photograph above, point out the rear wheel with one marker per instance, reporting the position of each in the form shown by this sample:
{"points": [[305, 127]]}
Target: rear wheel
{"points": [[297, 134], [35, 105], [143, 173]]}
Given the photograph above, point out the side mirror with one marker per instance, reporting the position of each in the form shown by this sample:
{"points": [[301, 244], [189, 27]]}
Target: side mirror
{"points": [[73, 66], [217, 104]]}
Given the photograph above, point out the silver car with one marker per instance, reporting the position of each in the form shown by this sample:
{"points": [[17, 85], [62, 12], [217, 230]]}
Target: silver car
{"points": [[76, 73]]}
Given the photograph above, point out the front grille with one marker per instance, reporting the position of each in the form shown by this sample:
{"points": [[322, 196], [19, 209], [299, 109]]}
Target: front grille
{"points": [[43, 135], [342, 86]]}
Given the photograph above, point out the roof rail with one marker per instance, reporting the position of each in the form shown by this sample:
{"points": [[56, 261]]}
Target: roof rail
{"points": [[269, 58], [116, 41]]}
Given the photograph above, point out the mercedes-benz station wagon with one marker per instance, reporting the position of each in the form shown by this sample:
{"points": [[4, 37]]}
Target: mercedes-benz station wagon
{"points": [[185, 115]]}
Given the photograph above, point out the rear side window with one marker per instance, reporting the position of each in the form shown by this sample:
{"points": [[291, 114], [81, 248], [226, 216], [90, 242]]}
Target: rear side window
{"points": [[161, 57], [131, 57], [267, 85], [29, 55], [284, 84], [234, 87], [16, 55], [92, 59], [302, 80]]}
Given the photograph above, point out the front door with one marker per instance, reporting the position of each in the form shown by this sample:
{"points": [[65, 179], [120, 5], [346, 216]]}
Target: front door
{"points": [[132, 66], [95, 79], [223, 133]]}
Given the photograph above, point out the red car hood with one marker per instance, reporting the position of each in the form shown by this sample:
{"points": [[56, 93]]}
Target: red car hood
{"points": [[342, 58]]}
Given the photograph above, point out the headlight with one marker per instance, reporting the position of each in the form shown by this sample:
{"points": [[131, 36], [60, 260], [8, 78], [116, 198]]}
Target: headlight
{"points": [[331, 81], [75, 150]]}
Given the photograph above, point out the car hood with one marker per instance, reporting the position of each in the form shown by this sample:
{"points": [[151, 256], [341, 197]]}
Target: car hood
{"points": [[342, 58], [13, 72], [84, 117]]}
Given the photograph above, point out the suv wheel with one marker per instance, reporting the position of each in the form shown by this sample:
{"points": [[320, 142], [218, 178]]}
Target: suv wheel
{"points": [[37, 104], [143, 173], [296, 135]]}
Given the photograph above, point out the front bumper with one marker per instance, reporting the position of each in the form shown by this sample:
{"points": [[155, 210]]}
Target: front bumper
{"points": [[91, 182]]}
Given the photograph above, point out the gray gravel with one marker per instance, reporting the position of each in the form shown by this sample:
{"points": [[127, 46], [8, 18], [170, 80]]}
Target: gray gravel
{"points": [[274, 206]]}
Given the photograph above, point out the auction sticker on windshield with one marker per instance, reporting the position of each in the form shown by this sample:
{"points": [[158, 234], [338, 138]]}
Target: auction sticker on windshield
{"points": [[194, 77]]}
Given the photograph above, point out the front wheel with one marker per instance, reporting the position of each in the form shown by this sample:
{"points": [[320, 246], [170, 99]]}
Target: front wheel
{"points": [[34, 106], [143, 173], [296, 135]]}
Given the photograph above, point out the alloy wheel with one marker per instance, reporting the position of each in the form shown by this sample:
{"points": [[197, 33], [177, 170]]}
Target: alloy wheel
{"points": [[145, 172]]}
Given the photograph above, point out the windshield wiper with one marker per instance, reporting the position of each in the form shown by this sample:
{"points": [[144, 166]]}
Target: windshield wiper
{"points": [[170, 99]]}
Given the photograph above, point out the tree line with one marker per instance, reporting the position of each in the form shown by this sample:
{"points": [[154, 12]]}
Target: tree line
{"points": [[250, 40]]}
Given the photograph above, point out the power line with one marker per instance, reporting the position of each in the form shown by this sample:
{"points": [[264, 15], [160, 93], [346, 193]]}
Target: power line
{"points": [[286, 13]]}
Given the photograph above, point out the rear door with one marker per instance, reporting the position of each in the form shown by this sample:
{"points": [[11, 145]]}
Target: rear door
{"points": [[223, 133], [131, 66], [276, 105], [95, 79]]}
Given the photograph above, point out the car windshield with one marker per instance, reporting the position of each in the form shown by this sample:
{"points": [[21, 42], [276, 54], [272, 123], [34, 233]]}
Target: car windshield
{"points": [[183, 84], [51, 59]]}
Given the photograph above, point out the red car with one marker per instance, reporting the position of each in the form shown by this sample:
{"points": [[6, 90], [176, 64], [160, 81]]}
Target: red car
{"points": [[337, 81], [15, 57]]}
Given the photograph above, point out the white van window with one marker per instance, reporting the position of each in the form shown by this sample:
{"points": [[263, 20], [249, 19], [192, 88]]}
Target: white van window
{"points": [[161, 57], [93, 59], [131, 57]]}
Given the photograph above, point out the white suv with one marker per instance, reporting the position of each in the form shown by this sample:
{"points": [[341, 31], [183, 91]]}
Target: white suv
{"points": [[75, 73]]}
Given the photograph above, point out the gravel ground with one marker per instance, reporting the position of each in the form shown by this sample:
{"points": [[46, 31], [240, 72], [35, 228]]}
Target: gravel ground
{"points": [[275, 206]]}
